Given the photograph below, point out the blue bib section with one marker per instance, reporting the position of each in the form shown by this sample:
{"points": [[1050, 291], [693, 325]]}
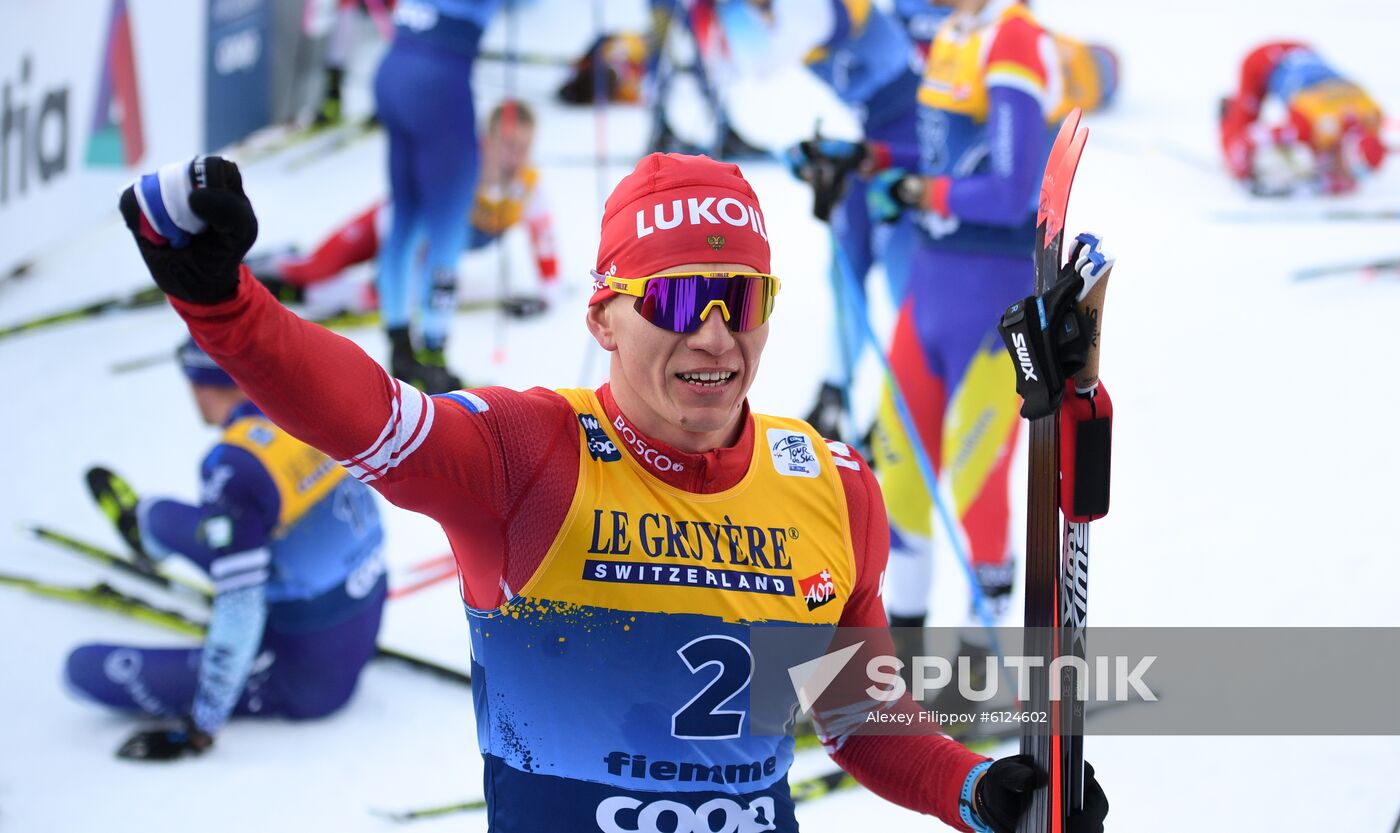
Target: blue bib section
{"points": [[325, 541], [1297, 71], [954, 144], [666, 735], [327, 566], [861, 59]]}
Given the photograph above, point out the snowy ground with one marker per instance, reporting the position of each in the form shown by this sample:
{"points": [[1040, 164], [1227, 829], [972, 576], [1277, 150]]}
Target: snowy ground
{"points": [[1254, 461]]}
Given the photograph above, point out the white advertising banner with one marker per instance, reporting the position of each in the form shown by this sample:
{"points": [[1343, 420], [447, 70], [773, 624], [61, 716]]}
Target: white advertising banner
{"points": [[91, 93]]}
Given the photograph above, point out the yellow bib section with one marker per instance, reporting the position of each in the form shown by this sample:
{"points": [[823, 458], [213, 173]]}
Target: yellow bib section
{"points": [[302, 474], [498, 209], [955, 77], [774, 547], [1327, 107]]}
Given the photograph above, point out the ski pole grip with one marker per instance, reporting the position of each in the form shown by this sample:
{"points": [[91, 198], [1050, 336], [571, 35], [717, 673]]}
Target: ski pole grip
{"points": [[1090, 309]]}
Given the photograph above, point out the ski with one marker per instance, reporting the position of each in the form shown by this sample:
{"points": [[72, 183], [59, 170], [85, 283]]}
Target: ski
{"points": [[1322, 215], [514, 306], [175, 584], [274, 140], [1367, 269], [1043, 581], [104, 596], [141, 609], [1085, 450], [151, 296]]}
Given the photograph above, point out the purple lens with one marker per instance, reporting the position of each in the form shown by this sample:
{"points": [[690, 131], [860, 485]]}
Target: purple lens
{"points": [[677, 303]]}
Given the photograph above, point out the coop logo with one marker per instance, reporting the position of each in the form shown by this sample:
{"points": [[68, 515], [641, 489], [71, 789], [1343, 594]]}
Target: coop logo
{"points": [[1023, 357], [817, 590], [599, 446], [624, 814], [792, 453], [697, 211], [35, 133]]}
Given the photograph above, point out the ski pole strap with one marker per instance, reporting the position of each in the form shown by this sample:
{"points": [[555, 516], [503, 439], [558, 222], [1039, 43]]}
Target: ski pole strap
{"points": [[965, 809], [1047, 343]]}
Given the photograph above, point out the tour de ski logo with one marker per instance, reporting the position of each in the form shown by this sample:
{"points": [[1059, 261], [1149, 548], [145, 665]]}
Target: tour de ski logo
{"points": [[599, 446], [792, 453], [817, 590]]}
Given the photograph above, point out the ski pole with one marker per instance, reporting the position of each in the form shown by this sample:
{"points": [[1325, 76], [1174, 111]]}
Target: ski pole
{"points": [[945, 514]]}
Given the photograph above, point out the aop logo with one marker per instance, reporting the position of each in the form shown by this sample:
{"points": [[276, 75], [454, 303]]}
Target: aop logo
{"points": [[624, 814], [817, 590], [697, 211], [649, 455]]}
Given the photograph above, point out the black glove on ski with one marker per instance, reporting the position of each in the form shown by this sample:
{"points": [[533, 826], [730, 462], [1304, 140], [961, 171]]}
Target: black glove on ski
{"points": [[166, 744], [206, 270], [1004, 793], [117, 500], [1089, 818], [1047, 341]]}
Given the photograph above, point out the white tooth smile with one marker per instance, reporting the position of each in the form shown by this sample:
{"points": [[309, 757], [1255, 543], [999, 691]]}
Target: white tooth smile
{"points": [[708, 379]]}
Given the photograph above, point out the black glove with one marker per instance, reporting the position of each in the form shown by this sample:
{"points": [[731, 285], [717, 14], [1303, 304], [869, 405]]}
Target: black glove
{"points": [[166, 744], [117, 500], [1004, 793], [1089, 818], [206, 270], [827, 165], [1046, 357]]}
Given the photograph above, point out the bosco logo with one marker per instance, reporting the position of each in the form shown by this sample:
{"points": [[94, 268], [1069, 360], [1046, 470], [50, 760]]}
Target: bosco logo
{"points": [[624, 814], [649, 455]]}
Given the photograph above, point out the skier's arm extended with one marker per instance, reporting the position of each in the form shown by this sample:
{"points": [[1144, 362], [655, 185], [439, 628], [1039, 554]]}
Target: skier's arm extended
{"points": [[443, 456], [226, 535]]}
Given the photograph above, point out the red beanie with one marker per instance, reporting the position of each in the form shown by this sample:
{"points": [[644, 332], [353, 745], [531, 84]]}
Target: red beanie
{"points": [[675, 209]]}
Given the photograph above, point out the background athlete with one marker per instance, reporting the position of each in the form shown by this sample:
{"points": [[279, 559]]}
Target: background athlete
{"points": [[1329, 137], [611, 542], [507, 194], [292, 546], [989, 87], [423, 96]]}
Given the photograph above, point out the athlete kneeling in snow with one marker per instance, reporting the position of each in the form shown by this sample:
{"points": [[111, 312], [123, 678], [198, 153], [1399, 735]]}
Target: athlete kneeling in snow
{"points": [[1328, 140], [292, 545], [611, 542]]}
